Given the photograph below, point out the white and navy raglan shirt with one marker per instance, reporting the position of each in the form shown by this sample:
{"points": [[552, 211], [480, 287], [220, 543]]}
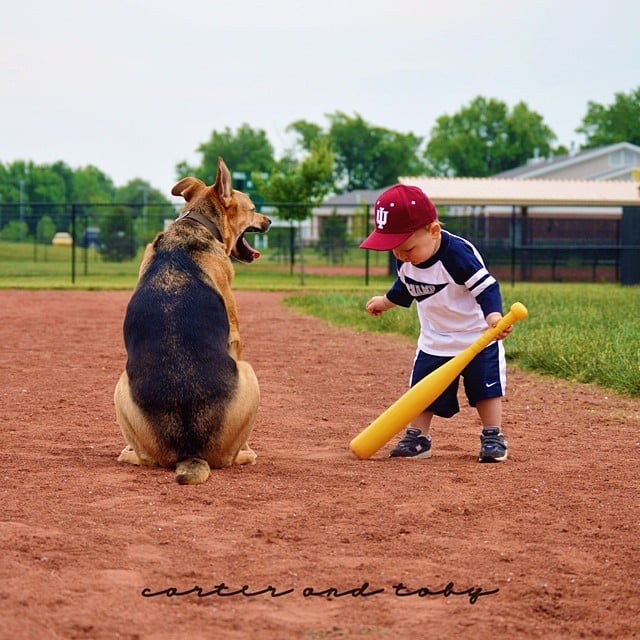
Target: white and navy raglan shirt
{"points": [[454, 293]]}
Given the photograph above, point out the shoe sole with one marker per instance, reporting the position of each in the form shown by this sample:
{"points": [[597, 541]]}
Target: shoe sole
{"points": [[422, 456], [491, 459]]}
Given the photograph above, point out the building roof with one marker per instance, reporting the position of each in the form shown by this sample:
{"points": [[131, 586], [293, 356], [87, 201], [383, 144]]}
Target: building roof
{"points": [[356, 197], [551, 167], [502, 191]]}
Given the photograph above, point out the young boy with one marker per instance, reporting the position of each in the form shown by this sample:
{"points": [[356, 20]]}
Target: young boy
{"points": [[457, 299]]}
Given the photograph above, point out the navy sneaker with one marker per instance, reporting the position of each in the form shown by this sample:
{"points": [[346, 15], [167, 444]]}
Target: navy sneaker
{"points": [[493, 445], [413, 445]]}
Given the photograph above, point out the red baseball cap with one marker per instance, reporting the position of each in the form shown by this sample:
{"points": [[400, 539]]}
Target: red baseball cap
{"points": [[398, 213]]}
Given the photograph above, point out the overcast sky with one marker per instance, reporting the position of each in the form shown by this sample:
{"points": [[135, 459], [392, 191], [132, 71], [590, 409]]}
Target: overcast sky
{"points": [[135, 86]]}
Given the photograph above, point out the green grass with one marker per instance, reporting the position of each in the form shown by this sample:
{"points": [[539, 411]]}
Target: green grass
{"points": [[581, 332], [28, 266], [25, 266]]}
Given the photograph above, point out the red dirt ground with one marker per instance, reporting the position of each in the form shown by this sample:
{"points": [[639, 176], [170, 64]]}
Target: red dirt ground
{"points": [[310, 542]]}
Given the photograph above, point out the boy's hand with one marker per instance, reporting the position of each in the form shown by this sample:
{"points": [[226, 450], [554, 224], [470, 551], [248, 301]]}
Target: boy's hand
{"points": [[493, 319], [378, 305]]}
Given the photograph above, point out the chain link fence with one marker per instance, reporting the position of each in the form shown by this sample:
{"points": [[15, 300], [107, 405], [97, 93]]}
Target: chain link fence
{"points": [[516, 247]]}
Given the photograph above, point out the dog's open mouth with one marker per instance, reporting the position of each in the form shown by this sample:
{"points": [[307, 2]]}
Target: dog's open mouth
{"points": [[243, 251]]}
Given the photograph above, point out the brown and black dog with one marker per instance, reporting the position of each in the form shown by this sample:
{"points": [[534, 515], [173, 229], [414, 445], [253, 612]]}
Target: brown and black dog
{"points": [[186, 398]]}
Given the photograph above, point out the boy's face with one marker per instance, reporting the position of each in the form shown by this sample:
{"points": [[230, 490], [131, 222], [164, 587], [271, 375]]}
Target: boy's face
{"points": [[420, 246]]}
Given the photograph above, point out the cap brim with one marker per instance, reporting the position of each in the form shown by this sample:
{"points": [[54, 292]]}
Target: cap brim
{"points": [[384, 241]]}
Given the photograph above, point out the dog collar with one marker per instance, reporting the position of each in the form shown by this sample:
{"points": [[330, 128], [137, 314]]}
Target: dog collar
{"points": [[198, 217]]}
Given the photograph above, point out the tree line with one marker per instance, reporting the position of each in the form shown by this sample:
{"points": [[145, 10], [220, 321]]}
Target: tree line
{"points": [[483, 138]]}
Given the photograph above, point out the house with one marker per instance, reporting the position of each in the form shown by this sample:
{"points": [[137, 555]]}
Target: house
{"points": [[612, 162]]}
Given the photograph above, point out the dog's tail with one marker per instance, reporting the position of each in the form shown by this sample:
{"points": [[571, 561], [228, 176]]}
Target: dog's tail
{"points": [[192, 471]]}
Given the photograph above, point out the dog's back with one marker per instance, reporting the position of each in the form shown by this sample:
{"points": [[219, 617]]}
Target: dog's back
{"points": [[181, 375], [187, 399]]}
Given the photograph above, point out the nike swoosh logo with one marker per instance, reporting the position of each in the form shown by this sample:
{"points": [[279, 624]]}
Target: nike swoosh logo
{"points": [[490, 384]]}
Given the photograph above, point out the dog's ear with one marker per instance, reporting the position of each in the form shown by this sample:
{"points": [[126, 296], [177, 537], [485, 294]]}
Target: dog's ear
{"points": [[223, 181], [188, 188]]}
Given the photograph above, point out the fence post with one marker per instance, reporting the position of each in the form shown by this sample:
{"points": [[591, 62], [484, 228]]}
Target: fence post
{"points": [[525, 254], [73, 243], [85, 248], [513, 245], [367, 252], [629, 245]]}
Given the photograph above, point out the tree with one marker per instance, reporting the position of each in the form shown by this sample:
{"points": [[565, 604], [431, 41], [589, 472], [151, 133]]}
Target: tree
{"points": [[116, 236], [370, 157], [308, 132], [333, 237], [528, 136], [304, 184], [15, 192], [246, 150], [90, 184], [14, 231], [91, 190], [66, 175], [148, 208], [47, 193], [484, 138], [618, 122], [396, 154], [45, 230], [367, 156]]}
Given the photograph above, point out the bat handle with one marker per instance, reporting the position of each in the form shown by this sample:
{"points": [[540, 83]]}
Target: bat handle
{"points": [[517, 312]]}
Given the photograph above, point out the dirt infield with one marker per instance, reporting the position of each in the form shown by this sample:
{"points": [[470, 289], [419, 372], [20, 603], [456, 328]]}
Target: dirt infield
{"points": [[309, 542]]}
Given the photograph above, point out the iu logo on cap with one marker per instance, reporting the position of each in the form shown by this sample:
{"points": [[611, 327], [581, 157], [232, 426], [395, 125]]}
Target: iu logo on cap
{"points": [[381, 217]]}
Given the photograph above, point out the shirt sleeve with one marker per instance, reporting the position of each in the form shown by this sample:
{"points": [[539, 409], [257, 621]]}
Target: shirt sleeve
{"points": [[490, 300], [467, 268], [398, 294]]}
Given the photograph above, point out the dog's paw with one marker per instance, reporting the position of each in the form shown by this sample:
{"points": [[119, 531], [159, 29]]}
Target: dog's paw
{"points": [[129, 456], [246, 455]]}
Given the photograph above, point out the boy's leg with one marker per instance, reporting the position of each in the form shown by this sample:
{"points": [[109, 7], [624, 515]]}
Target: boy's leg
{"points": [[485, 383], [490, 411], [493, 444], [423, 422], [416, 443]]}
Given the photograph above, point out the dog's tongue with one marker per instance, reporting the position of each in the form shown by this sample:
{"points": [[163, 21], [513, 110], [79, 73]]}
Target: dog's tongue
{"points": [[254, 252]]}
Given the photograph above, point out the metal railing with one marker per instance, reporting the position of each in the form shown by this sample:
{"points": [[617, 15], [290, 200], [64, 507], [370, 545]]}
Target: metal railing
{"points": [[585, 248]]}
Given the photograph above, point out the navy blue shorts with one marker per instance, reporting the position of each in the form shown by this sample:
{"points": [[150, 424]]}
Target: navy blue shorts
{"points": [[484, 377]]}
